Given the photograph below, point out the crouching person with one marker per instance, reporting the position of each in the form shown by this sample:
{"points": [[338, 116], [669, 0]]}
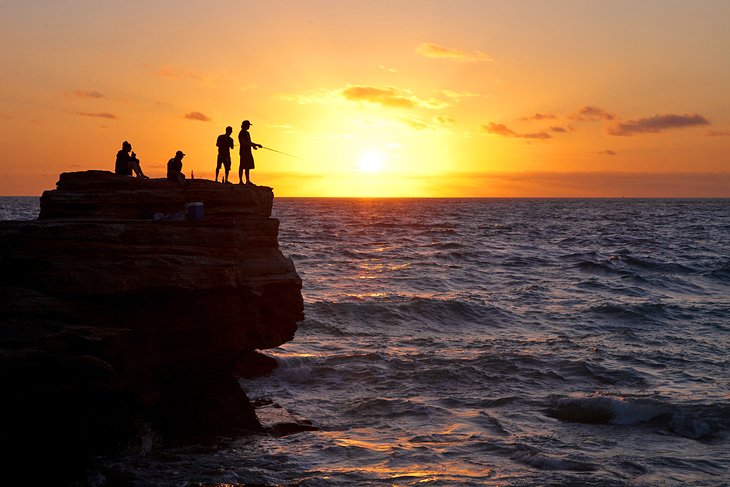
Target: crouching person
{"points": [[174, 169], [126, 164]]}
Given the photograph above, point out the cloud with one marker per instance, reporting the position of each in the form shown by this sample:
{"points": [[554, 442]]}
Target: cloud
{"points": [[540, 116], [183, 72], [607, 152], [718, 133], [415, 123], [504, 131], [562, 130], [109, 116], [88, 94], [445, 121], [197, 116], [313, 97], [389, 97], [386, 68], [435, 51], [591, 114], [459, 94], [657, 123]]}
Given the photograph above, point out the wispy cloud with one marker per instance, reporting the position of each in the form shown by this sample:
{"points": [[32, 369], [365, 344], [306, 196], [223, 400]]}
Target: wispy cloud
{"points": [[434, 51], [539, 116], [718, 133], [197, 116], [607, 152], [459, 94], [504, 131], [106, 115], [591, 114], [387, 69], [415, 123], [657, 123], [389, 97], [87, 94], [185, 72], [560, 129], [444, 121], [312, 97]]}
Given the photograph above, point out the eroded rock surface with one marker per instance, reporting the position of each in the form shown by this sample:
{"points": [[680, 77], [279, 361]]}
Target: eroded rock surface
{"points": [[110, 319]]}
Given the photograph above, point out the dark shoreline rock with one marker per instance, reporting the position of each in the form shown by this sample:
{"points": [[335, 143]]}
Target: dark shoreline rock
{"points": [[109, 319]]}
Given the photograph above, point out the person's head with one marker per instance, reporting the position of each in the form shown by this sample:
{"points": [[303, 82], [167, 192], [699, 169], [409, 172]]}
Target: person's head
{"points": [[179, 155], [229, 130], [126, 146], [245, 124]]}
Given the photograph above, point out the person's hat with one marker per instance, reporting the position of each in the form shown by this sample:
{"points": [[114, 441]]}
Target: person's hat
{"points": [[179, 153], [245, 122]]}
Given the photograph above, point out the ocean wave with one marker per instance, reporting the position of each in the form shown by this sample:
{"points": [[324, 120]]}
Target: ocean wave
{"points": [[636, 311], [593, 267], [388, 311], [387, 408], [693, 421], [654, 265], [721, 272], [543, 461]]}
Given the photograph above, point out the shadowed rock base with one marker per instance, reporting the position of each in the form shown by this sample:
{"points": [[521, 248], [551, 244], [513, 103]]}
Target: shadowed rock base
{"points": [[112, 322]]}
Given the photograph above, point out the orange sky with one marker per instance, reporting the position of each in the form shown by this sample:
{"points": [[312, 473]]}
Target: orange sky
{"points": [[376, 98]]}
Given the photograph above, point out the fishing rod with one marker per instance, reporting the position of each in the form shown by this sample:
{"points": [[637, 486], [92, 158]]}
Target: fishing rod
{"points": [[274, 150]]}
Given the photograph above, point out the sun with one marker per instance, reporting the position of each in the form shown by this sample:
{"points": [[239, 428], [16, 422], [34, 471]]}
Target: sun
{"points": [[371, 161]]}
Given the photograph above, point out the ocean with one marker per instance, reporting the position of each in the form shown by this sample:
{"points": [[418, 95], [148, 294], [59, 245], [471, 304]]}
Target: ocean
{"points": [[487, 342]]}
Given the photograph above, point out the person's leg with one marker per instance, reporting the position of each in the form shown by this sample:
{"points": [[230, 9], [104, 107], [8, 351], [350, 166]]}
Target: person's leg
{"points": [[248, 181], [138, 169], [240, 173]]}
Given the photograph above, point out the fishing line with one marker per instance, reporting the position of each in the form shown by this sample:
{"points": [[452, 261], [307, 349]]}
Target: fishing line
{"points": [[274, 150]]}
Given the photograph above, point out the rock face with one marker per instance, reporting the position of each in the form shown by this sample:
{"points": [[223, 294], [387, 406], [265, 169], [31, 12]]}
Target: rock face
{"points": [[113, 322]]}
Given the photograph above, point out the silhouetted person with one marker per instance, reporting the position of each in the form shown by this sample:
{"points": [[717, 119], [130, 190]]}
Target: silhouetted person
{"points": [[224, 144], [126, 163], [174, 168], [244, 146]]}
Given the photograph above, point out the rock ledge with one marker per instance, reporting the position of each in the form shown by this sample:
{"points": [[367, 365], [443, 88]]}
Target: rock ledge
{"points": [[112, 321]]}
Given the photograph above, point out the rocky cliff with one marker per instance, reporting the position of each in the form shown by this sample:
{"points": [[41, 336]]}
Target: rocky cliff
{"points": [[117, 314]]}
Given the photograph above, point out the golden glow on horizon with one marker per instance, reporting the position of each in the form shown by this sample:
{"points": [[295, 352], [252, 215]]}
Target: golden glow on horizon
{"points": [[502, 100]]}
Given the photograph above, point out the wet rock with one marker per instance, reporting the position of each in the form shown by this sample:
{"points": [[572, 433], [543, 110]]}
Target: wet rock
{"points": [[278, 421]]}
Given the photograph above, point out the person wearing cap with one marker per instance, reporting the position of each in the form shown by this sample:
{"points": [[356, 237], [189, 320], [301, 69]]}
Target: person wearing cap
{"points": [[244, 146], [174, 168]]}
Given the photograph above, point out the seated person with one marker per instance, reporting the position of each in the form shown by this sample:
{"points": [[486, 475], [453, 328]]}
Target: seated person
{"points": [[174, 168], [127, 163]]}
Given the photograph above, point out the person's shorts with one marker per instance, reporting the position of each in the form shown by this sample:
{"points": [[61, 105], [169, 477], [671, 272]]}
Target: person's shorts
{"points": [[225, 161], [247, 160]]}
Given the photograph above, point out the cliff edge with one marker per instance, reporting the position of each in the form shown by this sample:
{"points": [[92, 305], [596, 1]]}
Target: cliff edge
{"points": [[119, 316]]}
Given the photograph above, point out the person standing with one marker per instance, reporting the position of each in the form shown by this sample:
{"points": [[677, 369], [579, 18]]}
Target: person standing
{"points": [[126, 163], [244, 146], [174, 168], [224, 144]]}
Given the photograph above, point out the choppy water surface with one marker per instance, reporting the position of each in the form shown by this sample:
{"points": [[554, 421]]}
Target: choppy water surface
{"points": [[494, 342]]}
